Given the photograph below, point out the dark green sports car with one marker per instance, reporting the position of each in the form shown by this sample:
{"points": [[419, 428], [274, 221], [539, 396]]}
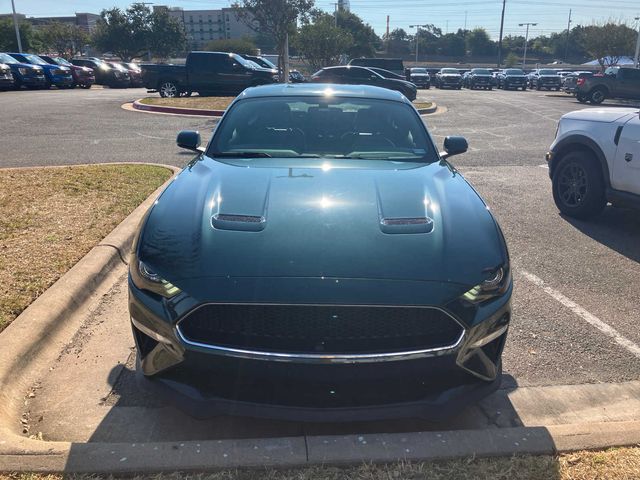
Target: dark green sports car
{"points": [[320, 260]]}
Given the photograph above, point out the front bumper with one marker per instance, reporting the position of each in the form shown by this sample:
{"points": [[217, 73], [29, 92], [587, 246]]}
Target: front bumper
{"points": [[6, 81], [62, 80], [206, 382], [34, 81]]}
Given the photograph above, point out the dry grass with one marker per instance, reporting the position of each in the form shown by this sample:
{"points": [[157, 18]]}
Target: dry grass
{"points": [[51, 217], [213, 103], [612, 464]]}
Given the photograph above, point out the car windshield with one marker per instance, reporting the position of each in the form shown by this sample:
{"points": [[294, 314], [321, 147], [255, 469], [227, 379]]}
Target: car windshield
{"points": [[548, 72], [242, 61], [419, 70], [450, 70], [132, 66], [514, 71], [61, 61], [481, 71], [4, 58], [322, 127], [263, 62], [35, 59]]}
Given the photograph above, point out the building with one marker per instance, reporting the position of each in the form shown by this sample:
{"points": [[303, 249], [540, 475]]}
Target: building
{"points": [[203, 26], [86, 21], [343, 5]]}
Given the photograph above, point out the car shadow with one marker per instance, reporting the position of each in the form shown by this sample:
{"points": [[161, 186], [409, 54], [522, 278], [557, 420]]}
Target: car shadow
{"points": [[616, 228]]}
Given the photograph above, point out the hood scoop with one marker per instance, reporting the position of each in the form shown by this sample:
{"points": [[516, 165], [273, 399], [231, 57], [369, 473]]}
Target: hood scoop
{"points": [[245, 223], [406, 225]]}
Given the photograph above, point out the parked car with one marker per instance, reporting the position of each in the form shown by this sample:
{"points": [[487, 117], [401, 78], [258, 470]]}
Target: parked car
{"points": [[363, 76], [208, 73], [83, 77], [55, 75], [419, 77], [394, 65], [449, 78], [105, 75], [335, 281], [571, 81], [595, 159], [24, 74], [388, 74], [6, 77], [135, 73], [479, 78], [617, 82], [545, 78], [511, 78], [296, 77]]}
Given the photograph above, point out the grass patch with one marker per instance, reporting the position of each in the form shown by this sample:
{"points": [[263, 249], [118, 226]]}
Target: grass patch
{"points": [[51, 217], [612, 464], [213, 103]]}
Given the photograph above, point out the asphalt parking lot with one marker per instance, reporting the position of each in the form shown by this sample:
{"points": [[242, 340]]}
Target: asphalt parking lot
{"points": [[576, 308]]}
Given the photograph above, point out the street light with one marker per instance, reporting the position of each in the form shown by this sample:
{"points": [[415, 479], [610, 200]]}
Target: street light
{"points": [[15, 25], [417, 27], [635, 58], [526, 40]]}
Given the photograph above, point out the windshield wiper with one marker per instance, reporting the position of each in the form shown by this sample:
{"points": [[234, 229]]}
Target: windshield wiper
{"points": [[241, 154]]}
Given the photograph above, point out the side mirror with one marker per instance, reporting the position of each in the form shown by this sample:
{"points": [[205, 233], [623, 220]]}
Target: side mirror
{"points": [[454, 146], [190, 140]]}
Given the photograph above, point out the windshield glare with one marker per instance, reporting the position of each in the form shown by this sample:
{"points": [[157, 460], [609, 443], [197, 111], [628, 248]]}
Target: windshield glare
{"points": [[514, 71], [481, 71], [324, 128], [4, 58], [450, 70], [35, 60], [548, 72], [419, 70]]}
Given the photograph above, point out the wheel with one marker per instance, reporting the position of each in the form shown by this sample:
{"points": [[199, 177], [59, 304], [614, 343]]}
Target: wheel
{"points": [[186, 94], [597, 96], [168, 89], [459, 88], [524, 88], [86, 86], [557, 89], [578, 187], [581, 98], [489, 88], [538, 87]]}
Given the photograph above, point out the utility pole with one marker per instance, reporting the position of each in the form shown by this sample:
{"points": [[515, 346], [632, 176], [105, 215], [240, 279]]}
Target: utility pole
{"points": [[465, 22], [504, 4], [417, 27], [635, 58], [566, 47], [526, 41], [446, 30], [335, 14], [15, 25]]}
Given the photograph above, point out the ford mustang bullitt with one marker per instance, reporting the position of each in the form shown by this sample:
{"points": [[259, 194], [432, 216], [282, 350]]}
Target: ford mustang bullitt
{"points": [[320, 260]]}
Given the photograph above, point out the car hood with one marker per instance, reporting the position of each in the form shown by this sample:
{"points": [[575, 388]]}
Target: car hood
{"points": [[549, 76], [419, 75], [291, 219], [25, 65], [605, 115], [450, 75], [522, 77]]}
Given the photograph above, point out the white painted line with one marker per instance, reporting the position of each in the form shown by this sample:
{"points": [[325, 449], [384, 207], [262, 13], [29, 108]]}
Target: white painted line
{"points": [[543, 166], [149, 136], [584, 314]]}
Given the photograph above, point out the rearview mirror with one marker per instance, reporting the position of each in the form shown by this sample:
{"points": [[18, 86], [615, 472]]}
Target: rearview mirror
{"points": [[454, 146], [190, 140]]}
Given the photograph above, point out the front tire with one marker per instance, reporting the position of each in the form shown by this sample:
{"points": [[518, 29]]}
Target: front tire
{"points": [[581, 98], [578, 187], [597, 96], [168, 89]]}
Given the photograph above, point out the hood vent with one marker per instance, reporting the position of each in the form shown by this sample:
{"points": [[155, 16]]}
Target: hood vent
{"points": [[244, 223], [406, 225]]}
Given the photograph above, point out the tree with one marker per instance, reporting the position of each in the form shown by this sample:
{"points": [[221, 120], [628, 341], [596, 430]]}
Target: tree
{"points": [[397, 42], [64, 39], [167, 36], [608, 42], [321, 43], [276, 18], [124, 33], [428, 38], [511, 60], [29, 37], [452, 44], [364, 41], [242, 45], [479, 43]]}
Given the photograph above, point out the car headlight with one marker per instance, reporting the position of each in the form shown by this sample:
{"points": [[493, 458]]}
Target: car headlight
{"points": [[494, 286], [146, 279], [24, 71]]}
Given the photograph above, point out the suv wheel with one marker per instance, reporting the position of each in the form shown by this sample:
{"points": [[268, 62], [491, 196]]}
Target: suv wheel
{"points": [[597, 96], [581, 98], [168, 89], [578, 188]]}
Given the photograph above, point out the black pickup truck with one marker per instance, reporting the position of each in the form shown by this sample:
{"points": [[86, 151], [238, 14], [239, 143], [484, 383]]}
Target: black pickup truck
{"points": [[207, 73], [617, 82]]}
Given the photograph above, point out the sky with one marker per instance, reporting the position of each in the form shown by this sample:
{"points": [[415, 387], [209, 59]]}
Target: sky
{"points": [[550, 15]]}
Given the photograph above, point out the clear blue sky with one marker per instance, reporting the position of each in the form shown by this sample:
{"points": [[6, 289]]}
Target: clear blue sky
{"points": [[550, 15]]}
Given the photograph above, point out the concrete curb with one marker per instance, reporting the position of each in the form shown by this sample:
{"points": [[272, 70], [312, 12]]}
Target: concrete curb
{"points": [[38, 335], [21, 454], [137, 105]]}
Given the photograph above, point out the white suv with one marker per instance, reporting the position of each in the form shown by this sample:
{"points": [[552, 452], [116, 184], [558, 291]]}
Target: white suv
{"points": [[595, 159]]}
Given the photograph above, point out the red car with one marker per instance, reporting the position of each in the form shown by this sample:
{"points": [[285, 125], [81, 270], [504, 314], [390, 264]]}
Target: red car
{"points": [[135, 72], [83, 77]]}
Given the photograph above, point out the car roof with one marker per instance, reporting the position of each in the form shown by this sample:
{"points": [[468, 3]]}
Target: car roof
{"points": [[321, 89]]}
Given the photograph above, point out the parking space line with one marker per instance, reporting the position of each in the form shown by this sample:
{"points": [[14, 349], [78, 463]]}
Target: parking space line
{"points": [[594, 321], [544, 166]]}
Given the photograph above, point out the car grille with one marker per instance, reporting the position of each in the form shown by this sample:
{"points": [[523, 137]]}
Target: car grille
{"points": [[319, 329]]}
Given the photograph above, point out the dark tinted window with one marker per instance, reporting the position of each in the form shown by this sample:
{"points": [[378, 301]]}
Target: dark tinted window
{"points": [[481, 71], [324, 127], [207, 62], [631, 74], [513, 71], [360, 73]]}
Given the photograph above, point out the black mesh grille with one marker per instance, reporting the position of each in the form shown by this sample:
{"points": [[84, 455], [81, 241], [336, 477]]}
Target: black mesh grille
{"points": [[320, 329]]}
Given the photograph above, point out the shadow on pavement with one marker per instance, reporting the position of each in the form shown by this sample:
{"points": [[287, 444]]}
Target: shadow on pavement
{"points": [[616, 228]]}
